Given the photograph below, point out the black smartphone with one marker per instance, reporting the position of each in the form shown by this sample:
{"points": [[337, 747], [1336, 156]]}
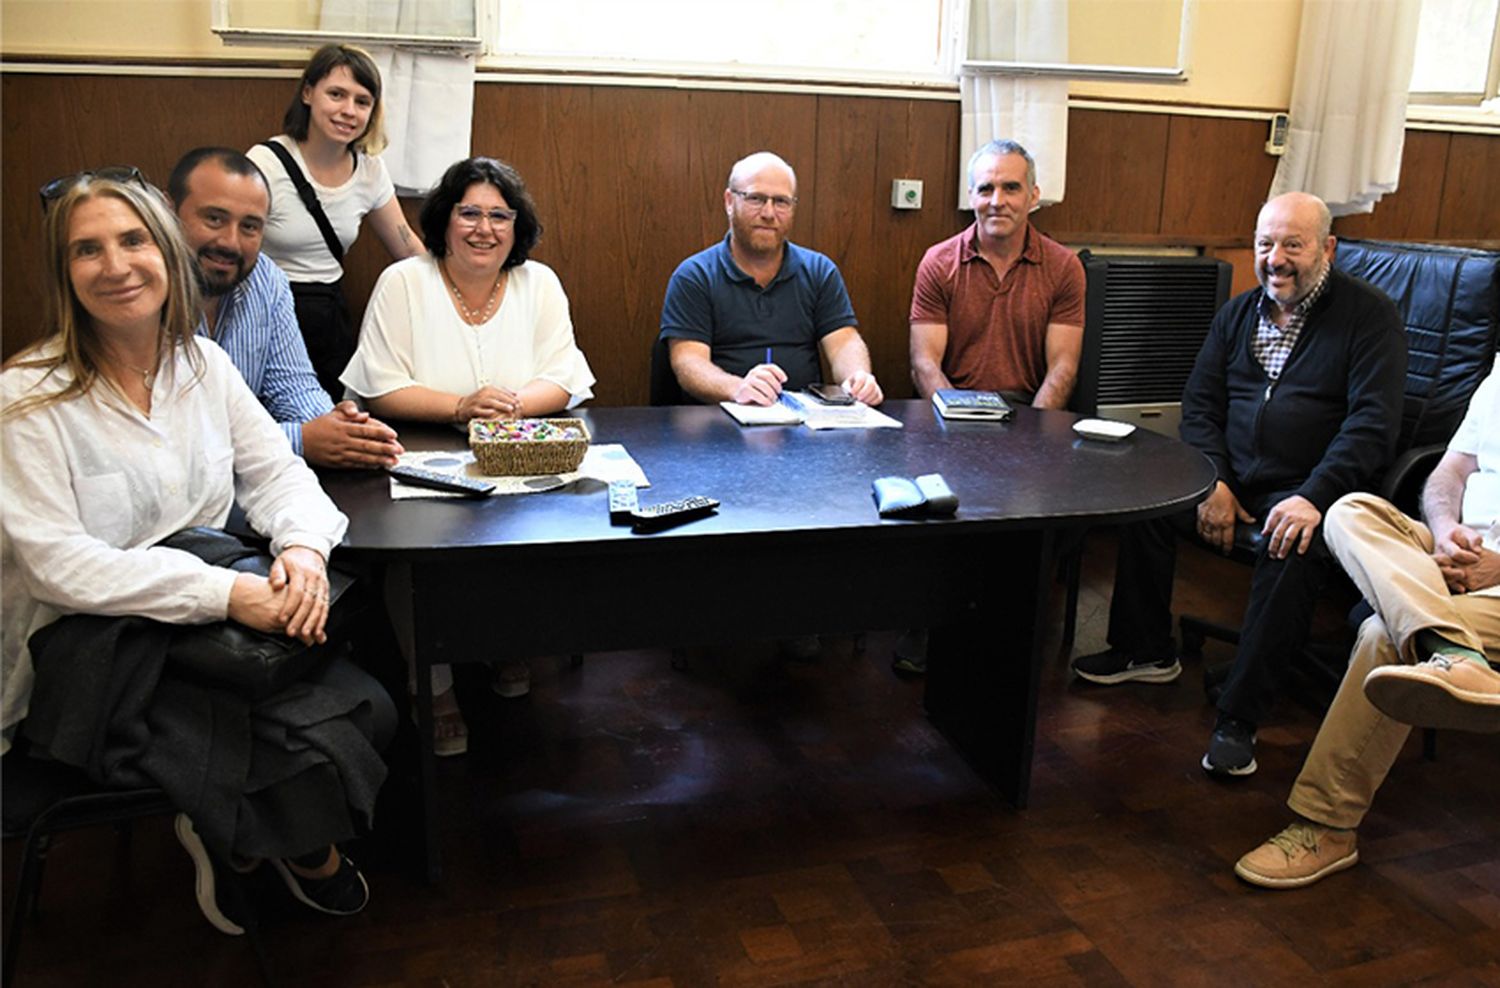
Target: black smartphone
{"points": [[830, 394]]}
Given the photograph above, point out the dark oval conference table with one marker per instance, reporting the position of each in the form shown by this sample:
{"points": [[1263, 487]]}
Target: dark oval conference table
{"points": [[795, 548]]}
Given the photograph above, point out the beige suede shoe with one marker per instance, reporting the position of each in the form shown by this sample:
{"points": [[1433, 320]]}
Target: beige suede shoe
{"points": [[1445, 691], [1301, 854]]}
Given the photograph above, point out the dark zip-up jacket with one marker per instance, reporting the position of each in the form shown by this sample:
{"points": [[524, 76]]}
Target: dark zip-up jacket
{"points": [[1328, 426]]}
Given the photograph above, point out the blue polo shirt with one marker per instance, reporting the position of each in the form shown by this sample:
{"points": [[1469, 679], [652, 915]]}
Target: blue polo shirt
{"points": [[709, 299]]}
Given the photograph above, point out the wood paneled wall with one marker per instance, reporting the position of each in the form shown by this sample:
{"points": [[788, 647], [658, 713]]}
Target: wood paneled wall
{"points": [[629, 181]]}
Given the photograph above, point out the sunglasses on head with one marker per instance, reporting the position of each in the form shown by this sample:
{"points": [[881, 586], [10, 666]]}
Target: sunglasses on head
{"points": [[58, 187]]}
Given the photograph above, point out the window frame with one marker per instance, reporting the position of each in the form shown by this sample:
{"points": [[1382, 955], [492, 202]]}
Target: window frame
{"points": [[1453, 99], [289, 38], [497, 58], [1177, 73]]}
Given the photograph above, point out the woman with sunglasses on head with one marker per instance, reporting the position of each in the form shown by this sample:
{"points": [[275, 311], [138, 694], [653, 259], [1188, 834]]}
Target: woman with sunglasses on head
{"points": [[325, 179], [472, 330], [120, 428]]}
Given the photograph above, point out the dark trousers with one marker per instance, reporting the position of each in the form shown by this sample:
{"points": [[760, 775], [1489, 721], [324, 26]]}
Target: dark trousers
{"points": [[323, 315], [1283, 594]]}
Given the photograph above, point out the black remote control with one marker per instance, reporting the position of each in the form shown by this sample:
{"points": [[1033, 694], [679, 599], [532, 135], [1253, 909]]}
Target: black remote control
{"points": [[622, 502], [439, 481], [669, 513]]}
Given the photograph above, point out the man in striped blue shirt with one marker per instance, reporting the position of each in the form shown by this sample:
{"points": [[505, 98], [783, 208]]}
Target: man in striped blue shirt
{"points": [[222, 200]]}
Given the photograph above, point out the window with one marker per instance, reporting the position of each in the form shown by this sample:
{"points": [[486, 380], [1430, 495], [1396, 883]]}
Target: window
{"points": [[824, 40], [445, 25], [1458, 52]]}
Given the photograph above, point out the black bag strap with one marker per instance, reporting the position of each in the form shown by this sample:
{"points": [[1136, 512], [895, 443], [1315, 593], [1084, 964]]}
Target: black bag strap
{"points": [[309, 198]]}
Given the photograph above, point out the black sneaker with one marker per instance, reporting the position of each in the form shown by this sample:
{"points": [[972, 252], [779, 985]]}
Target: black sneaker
{"points": [[214, 898], [343, 893], [1115, 666], [1231, 748]]}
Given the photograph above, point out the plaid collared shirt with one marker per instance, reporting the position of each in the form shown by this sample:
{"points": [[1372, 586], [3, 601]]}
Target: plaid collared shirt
{"points": [[1273, 343]]}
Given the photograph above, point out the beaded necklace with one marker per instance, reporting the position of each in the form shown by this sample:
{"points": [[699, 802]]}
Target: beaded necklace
{"points": [[470, 316]]}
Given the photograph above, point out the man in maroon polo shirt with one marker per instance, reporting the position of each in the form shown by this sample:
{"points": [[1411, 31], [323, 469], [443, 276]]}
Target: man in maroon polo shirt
{"points": [[999, 307]]}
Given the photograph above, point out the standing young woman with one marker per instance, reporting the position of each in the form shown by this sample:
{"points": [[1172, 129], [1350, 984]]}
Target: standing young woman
{"points": [[325, 178]]}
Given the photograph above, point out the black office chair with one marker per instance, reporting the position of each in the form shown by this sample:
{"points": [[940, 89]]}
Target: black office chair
{"points": [[1085, 401], [44, 798], [664, 387], [1449, 299]]}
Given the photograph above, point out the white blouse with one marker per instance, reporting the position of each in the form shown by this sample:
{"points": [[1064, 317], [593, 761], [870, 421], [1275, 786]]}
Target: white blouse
{"points": [[413, 335], [91, 484], [292, 239]]}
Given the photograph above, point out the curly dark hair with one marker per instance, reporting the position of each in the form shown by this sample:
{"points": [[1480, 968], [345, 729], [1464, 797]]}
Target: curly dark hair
{"points": [[437, 209]]}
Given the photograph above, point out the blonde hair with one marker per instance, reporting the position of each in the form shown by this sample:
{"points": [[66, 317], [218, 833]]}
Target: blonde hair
{"points": [[69, 324]]}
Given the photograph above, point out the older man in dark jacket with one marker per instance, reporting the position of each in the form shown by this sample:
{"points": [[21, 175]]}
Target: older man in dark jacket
{"points": [[1296, 398]]}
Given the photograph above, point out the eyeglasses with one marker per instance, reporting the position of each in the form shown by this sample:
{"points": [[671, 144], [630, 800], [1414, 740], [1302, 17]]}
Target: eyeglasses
{"points": [[58, 187], [471, 215], [757, 200]]}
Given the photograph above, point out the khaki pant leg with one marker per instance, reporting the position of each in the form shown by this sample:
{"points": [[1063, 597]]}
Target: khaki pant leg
{"points": [[1356, 745], [1388, 556]]}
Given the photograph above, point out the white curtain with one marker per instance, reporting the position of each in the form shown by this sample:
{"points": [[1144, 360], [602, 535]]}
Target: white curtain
{"points": [[1030, 111], [1348, 113], [428, 96]]}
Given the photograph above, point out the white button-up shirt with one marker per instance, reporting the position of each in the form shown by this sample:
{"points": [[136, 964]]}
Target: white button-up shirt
{"points": [[1479, 435], [91, 484]]}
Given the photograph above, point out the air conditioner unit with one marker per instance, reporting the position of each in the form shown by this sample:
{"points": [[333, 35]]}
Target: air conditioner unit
{"points": [[1145, 319]]}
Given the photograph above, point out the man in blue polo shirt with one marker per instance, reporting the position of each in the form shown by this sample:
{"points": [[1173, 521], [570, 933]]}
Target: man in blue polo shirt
{"points": [[222, 200], [752, 314]]}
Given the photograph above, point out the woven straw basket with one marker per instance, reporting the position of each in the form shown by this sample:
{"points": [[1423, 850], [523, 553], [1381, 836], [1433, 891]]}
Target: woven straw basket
{"points": [[526, 457]]}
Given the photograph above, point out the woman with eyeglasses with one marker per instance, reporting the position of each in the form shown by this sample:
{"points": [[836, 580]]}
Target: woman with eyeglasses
{"points": [[120, 428], [326, 178], [472, 330]]}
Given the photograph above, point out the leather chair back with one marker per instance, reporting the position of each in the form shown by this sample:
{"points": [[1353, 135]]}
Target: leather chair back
{"points": [[664, 389], [1449, 299]]}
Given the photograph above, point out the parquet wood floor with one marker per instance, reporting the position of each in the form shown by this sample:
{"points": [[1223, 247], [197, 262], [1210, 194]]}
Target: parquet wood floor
{"points": [[753, 821]]}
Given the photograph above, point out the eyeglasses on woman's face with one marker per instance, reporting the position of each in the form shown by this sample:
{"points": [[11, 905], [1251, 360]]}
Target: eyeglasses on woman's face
{"points": [[471, 216]]}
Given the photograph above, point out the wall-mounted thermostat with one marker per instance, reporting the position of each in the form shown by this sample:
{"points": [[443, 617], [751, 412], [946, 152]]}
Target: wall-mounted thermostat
{"points": [[1276, 143], [906, 193]]}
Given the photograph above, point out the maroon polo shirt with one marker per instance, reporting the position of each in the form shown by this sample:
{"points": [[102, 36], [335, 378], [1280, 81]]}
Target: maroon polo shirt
{"points": [[997, 328]]}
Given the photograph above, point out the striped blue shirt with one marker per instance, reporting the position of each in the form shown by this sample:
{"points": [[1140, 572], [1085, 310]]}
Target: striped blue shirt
{"points": [[257, 327]]}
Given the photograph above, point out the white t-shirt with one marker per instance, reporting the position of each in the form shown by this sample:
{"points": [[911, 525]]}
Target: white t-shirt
{"points": [[1479, 435], [412, 335], [91, 484], [292, 237]]}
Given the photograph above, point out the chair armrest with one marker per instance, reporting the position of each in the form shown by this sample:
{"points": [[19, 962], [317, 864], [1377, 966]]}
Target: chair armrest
{"points": [[1402, 483]]}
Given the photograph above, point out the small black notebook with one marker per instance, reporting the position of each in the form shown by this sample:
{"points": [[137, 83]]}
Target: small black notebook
{"points": [[959, 403]]}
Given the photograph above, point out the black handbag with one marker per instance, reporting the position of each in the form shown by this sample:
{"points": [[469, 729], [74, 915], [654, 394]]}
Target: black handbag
{"points": [[229, 655]]}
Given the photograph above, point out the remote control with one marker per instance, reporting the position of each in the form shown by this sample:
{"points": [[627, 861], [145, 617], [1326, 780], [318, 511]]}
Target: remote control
{"points": [[438, 481], [669, 513], [940, 497], [622, 502]]}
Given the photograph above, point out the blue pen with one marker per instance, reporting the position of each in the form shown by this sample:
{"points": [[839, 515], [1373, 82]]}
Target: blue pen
{"points": [[768, 355]]}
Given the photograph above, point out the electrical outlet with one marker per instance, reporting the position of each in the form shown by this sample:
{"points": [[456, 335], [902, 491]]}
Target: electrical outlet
{"points": [[906, 193]]}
